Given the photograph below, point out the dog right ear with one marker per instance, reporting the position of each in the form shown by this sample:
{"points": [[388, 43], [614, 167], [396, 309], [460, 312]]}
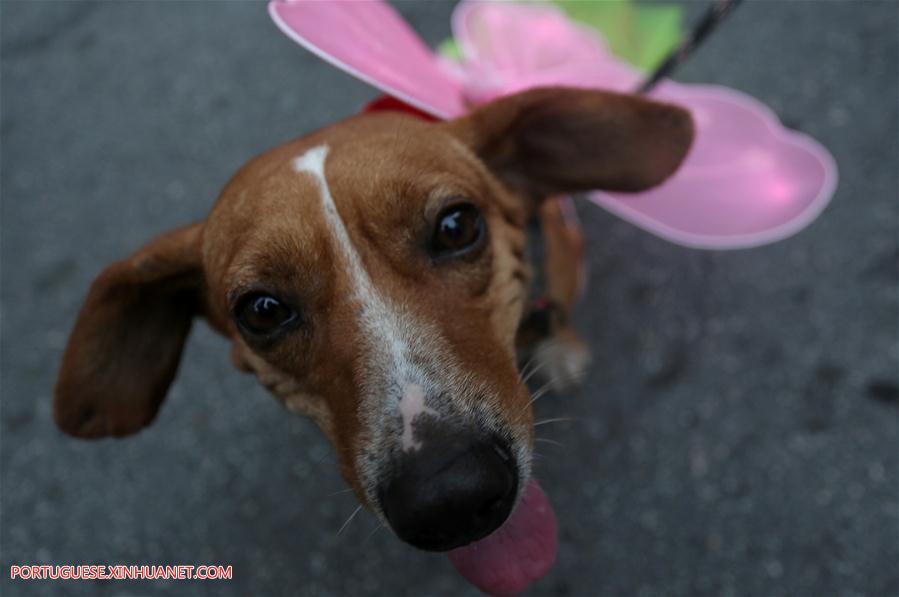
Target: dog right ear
{"points": [[560, 140], [124, 350]]}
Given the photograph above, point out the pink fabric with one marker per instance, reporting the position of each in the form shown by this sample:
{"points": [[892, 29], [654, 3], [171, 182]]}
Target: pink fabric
{"points": [[747, 181]]}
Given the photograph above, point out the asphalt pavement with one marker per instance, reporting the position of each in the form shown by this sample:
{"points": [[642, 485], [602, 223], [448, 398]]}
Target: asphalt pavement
{"points": [[738, 433]]}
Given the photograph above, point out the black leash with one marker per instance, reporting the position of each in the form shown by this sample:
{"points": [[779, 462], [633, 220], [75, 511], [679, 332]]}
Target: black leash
{"points": [[712, 18]]}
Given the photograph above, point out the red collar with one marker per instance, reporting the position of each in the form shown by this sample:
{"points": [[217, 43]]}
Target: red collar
{"points": [[391, 104]]}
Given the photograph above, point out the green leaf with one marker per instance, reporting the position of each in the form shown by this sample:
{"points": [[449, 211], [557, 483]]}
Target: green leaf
{"points": [[641, 34], [449, 49]]}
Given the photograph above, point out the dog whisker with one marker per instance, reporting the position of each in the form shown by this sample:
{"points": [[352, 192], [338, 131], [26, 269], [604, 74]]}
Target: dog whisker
{"points": [[549, 441], [347, 490], [321, 458], [350, 519], [554, 420], [533, 371], [541, 392], [380, 526], [525, 368]]}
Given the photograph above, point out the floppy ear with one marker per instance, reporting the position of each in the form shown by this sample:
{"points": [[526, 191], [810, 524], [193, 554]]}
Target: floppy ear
{"points": [[124, 350], [556, 139]]}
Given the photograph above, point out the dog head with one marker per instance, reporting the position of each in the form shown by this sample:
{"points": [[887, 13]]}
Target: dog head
{"points": [[372, 276]]}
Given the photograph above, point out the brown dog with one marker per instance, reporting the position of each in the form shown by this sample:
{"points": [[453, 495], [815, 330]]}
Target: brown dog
{"points": [[372, 275]]}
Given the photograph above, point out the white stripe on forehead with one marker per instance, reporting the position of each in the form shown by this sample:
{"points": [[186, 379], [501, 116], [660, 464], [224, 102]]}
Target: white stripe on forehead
{"points": [[313, 162], [376, 316], [406, 387]]}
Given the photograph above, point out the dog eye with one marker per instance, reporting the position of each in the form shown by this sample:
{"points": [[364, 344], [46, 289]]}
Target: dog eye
{"points": [[263, 314], [459, 228]]}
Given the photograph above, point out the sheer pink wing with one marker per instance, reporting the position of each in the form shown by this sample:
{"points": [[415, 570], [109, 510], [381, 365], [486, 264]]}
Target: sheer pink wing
{"points": [[747, 180], [370, 41]]}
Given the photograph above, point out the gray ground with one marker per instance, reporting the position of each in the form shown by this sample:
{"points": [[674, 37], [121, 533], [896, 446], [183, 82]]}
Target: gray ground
{"points": [[738, 434]]}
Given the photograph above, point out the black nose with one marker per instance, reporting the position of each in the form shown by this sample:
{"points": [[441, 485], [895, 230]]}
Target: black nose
{"points": [[450, 492]]}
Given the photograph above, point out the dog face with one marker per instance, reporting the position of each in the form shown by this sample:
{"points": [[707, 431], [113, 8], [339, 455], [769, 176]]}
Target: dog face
{"points": [[372, 276], [380, 294]]}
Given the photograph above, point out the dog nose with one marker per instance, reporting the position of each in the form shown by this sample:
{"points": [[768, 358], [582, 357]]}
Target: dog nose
{"points": [[450, 492]]}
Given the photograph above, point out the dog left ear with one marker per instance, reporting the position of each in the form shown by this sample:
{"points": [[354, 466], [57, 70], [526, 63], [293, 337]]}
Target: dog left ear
{"points": [[557, 140], [124, 350]]}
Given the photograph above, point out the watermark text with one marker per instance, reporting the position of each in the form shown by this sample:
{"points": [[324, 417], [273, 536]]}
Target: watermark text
{"points": [[119, 572]]}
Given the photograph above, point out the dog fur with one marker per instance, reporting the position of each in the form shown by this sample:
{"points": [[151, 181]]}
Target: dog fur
{"points": [[337, 224]]}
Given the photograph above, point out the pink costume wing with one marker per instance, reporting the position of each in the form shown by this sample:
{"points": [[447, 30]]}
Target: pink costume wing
{"points": [[510, 47], [747, 180], [370, 41]]}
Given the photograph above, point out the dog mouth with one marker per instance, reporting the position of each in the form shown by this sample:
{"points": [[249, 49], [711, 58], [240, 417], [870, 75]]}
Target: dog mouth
{"points": [[463, 495], [516, 554]]}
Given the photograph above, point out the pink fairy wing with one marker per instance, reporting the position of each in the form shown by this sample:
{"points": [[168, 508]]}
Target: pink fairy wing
{"points": [[747, 180], [512, 47], [370, 41]]}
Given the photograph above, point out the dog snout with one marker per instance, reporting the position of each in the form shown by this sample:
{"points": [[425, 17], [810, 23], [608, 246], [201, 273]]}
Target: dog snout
{"points": [[451, 492]]}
